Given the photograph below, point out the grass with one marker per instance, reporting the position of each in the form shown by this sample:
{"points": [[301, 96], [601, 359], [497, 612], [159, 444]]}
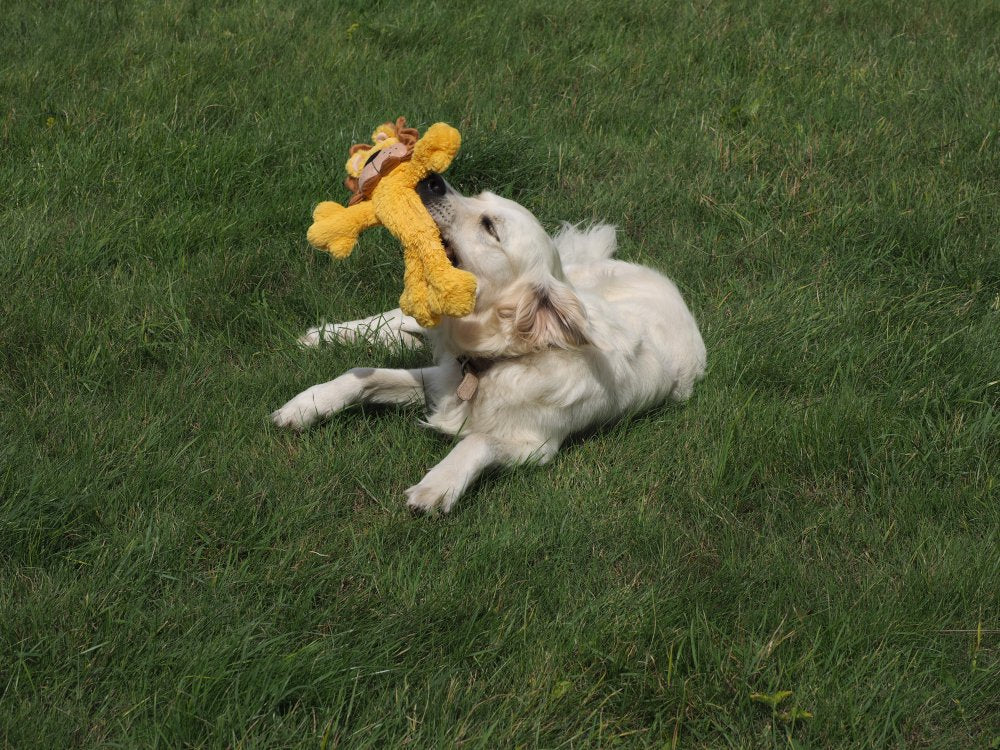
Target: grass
{"points": [[821, 179]]}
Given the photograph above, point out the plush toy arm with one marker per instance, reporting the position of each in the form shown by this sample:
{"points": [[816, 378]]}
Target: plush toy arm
{"points": [[336, 228], [436, 150]]}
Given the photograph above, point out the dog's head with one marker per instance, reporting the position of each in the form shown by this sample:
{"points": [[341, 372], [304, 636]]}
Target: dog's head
{"points": [[523, 302]]}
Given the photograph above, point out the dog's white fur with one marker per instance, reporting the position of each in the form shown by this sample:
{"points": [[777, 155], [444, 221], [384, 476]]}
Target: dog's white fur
{"points": [[577, 339]]}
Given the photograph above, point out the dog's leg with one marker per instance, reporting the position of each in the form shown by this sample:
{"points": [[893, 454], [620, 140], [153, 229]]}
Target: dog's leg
{"points": [[390, 328], [446, 482], [357, 386]]}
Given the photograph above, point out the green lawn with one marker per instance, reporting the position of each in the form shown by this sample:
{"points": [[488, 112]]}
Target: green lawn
{"points": [[822, 180]]}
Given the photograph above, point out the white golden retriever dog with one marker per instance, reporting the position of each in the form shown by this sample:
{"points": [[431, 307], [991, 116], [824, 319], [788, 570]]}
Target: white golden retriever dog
{"points": [[562, 338]]}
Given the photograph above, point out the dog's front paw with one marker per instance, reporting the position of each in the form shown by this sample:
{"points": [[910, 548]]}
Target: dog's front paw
{"points": [[296, 415], [329, 333], [313, 337], [428, 497]]}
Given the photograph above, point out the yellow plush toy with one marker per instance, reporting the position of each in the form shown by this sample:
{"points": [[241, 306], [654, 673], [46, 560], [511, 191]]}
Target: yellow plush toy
{"points": [[383, 177]]}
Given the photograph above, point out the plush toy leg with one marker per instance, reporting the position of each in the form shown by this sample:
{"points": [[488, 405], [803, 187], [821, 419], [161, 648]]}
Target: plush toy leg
{"points": [[336, 228], [415, 299], [432, 286], [427, 294], [452, 291]]}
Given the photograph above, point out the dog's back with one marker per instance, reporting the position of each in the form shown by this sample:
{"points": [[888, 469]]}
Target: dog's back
{"points": [[634, 311]]}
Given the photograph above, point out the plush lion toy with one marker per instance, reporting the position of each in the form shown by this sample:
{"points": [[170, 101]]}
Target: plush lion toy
{"points": [[383, 177]]}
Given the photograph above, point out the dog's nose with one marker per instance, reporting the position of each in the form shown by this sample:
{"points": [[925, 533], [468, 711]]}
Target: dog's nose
{"points": [[432, 187]]}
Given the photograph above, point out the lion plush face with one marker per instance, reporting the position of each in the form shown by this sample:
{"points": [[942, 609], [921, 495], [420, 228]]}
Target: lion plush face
{"points": [[392, 144]]}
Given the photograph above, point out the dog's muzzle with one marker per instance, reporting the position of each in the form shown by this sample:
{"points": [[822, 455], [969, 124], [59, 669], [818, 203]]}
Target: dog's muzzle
{"points": [[434, 193]]}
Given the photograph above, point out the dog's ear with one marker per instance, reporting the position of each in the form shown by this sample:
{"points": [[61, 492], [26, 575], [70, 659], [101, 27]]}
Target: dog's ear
{"points": [[549, 315]]}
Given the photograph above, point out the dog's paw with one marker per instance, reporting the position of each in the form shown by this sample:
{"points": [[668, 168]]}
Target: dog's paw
{"points": [[328, 333], [313, 337], [295, 415], [428, 497]]}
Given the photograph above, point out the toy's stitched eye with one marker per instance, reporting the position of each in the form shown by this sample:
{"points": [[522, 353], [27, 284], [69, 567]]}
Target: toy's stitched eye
{"points": [[371, 158], [487, 224]]}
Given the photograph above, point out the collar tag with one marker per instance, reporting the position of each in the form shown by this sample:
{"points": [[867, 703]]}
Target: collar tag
{"points": [[468, 387]]}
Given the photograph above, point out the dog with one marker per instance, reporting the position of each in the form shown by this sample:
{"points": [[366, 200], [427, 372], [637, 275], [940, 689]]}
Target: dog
{"points": [[563, 338]]}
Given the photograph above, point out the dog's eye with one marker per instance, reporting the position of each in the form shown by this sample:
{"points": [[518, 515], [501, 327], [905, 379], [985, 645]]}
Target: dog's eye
{"points": [[487, 224]]}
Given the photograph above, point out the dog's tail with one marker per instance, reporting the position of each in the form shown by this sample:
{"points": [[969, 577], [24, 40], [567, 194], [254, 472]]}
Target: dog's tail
{"points": [[575, 245]]}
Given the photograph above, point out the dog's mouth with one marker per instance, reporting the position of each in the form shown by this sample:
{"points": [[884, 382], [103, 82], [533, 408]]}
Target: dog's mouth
{"points": [[433, 192], [449, 250]]}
